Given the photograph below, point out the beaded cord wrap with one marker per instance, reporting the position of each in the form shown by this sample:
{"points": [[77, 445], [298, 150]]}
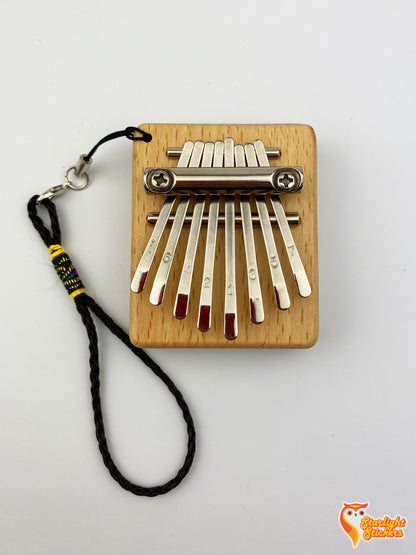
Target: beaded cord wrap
{"points": [[85, 306], [66, 271]]}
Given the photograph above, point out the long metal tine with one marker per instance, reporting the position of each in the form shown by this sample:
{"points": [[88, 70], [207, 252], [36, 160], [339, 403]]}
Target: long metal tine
{"points": [[254, 289], [230, 305], [159, 285], [278, 280], [205, 300], [184, 288], [301, 279]]}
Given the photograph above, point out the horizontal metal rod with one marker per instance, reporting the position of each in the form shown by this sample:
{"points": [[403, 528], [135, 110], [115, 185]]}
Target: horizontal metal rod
{"points": [[175, 152], [292, 217]]}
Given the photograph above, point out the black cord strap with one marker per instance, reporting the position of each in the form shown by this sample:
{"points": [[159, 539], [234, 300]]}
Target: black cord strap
{"points": [[129, 132], [85, 306]]}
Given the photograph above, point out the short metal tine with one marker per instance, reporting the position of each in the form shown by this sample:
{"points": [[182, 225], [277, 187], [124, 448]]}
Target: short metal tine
{"points": [[230, 305], [298, 270], [159, 285], [142, 271], [205, 300], [301, 279], [253, 280], [278, 280]]}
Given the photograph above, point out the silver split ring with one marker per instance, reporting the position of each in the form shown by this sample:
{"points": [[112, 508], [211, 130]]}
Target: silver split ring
{"points": [[71, 185]]}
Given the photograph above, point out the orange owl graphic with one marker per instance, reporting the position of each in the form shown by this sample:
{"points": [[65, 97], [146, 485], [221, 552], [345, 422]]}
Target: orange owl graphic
{"points": [[350, 518]]}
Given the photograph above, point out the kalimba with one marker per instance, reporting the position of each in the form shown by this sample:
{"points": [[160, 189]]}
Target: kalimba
{"points": [[224, 243]]}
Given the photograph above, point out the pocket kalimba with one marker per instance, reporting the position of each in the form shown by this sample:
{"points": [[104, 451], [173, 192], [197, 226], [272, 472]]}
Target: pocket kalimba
{"points": [[224, 241]]}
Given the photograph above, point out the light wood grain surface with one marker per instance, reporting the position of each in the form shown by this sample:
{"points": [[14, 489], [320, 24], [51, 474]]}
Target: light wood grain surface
{"points": [[155, 326]]}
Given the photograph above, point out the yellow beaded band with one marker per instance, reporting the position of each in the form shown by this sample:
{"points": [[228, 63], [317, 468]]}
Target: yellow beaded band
{"points": [[66, 271]]}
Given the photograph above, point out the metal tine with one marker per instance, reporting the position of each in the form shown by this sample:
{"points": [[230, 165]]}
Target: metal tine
{"points": [[278, 280], [207, 155], [261, 153], [254, 289], [240, 158], [218, 154], [301, 279], [230, 305], [184, 288], [186, 154], [196, 155], [159, 285], [191, 153], [205, 300], [279, 284], [142, 271], [229, 153]]}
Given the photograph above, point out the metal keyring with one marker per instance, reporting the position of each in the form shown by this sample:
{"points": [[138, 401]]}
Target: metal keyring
{"points": [[71, 185]]}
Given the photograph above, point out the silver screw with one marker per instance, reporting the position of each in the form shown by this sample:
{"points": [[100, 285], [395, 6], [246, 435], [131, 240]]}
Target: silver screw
{"points": [[287, 179], [160, 180]]}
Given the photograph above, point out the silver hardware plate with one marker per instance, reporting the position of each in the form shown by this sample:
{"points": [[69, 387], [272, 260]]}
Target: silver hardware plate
{"points": [[229, 180]]}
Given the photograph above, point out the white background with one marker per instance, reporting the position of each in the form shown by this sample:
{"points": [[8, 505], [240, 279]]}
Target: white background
{"points": [[283, 436]]}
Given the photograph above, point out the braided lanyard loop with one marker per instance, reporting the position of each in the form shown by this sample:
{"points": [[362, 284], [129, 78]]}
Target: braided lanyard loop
{"points": [[87, 307]]}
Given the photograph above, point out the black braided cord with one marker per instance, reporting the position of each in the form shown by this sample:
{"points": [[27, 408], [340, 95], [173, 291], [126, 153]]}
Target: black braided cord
{"points": [[85, 306]]}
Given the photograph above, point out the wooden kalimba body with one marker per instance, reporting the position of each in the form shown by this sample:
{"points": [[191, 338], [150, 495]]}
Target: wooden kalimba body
{"points": [[224, 237]]}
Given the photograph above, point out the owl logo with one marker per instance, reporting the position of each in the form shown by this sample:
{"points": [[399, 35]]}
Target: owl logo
{"points": [[350, 518]]}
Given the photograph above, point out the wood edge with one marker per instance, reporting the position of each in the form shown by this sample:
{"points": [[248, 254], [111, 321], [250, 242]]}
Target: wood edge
{"points": [[226, 345]]}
